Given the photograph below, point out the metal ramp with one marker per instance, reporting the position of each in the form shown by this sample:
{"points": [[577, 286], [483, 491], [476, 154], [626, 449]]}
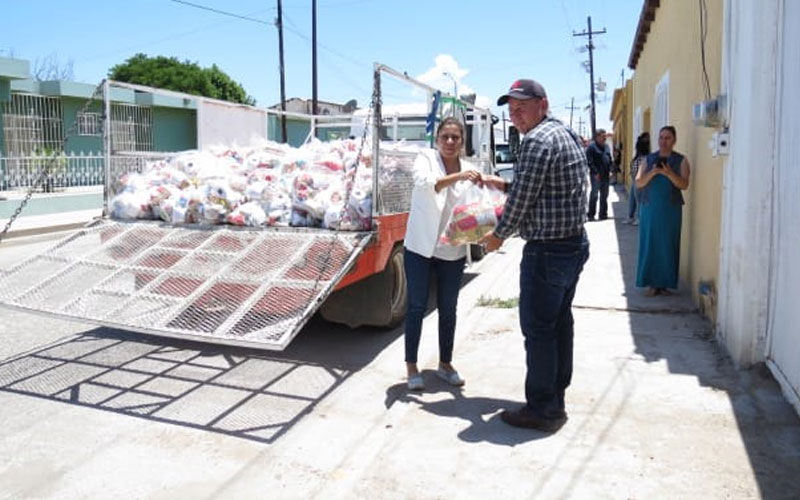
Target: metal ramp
{"points": [[246, 287]]}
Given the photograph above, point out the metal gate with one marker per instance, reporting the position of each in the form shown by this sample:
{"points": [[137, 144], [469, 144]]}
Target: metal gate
{"points": [[784, 316], [254, 288]]}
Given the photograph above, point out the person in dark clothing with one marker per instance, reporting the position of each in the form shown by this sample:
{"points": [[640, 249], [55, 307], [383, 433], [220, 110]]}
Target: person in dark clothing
{"points": [[546, 205], [598, 156]]}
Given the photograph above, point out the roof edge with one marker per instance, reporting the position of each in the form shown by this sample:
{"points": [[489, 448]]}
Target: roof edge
{"points": [[646, 18]]}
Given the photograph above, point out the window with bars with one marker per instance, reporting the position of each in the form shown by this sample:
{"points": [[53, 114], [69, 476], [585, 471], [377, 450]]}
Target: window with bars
{"points": [[88, 124], [131, 128], [32, 123]]}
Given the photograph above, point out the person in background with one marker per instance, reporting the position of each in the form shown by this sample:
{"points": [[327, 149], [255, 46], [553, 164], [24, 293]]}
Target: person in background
{"points": [[599, 157], [546, 204], [660, 182], [639, 159], [437, 174], [616, 166]]}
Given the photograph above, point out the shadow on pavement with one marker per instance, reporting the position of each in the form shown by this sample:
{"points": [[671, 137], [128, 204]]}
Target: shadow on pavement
{"points": [[482, 413], [245, 393], [768, 425]]}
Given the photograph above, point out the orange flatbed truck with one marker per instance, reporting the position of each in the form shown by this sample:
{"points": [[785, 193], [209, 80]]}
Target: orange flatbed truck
{"points": [[252, 287]]}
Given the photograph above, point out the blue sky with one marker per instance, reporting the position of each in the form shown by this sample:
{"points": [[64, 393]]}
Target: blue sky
{"points": [[485, 45]]}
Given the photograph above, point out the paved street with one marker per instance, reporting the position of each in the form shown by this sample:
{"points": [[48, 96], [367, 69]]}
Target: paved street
{"points": [[656, 408]]}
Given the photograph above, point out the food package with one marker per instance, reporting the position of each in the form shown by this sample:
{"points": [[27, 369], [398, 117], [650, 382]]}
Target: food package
{"points": [[476, 212], [304, 186], [248, 214]]}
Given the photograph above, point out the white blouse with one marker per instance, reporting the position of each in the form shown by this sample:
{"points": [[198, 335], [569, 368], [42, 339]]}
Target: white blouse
{"points": [[430, 210]]}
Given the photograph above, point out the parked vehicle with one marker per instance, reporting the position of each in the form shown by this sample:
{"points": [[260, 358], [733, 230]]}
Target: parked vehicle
{"points": [[252, 287]]}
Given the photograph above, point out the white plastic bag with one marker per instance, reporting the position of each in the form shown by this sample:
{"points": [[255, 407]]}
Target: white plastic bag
{"points": [[476, 212]]}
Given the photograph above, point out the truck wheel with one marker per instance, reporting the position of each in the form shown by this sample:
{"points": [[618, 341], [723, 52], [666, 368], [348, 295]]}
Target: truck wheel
{"points": [[399, 298]]}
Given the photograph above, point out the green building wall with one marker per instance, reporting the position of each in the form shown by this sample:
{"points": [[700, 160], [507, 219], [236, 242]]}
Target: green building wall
{"points": [[174, 129], [297, 130], [77, 144]]}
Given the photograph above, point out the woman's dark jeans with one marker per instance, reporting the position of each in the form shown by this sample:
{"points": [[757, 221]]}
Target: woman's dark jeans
{"points": [[632, 205], [549, 274], [448, 283]]}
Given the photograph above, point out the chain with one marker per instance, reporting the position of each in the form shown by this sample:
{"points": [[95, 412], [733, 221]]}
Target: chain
{"points": [[349, 185], [44, 171]]}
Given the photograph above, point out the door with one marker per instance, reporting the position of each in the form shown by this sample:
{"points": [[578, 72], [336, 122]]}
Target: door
{"points": [[784, 317]]}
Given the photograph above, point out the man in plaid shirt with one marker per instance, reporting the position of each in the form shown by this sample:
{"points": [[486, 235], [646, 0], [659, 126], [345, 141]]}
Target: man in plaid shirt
{"points": [[547, 205]]}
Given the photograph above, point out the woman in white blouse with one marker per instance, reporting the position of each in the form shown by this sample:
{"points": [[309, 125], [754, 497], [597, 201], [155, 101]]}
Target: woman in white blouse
{"points": [[436, 186]]}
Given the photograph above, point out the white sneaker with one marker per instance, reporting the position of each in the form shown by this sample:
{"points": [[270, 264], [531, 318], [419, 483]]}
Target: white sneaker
{"points": [[635, 222], [452, 378], [416, 383]]}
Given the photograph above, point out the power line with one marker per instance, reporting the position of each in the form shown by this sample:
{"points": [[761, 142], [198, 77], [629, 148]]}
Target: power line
{"points": [[222, 12], [158, 40], [294, 29]]}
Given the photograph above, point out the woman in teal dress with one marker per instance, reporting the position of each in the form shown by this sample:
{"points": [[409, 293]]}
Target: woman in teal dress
{"points": [[660, 183]]}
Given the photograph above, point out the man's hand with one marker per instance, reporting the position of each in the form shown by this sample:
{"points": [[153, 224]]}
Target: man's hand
{"points": [[494, 181], [490, 242]]}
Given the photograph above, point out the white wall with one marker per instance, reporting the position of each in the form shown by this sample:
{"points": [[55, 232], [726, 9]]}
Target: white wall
{"points": [[225, 124], [783, 328], [748, 78]]}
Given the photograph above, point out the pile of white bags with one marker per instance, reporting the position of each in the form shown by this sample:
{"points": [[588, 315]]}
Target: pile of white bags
{"points": [[270, 184]]}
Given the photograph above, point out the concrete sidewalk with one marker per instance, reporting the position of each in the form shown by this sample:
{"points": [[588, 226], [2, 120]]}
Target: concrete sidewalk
{"points": [[50, 212], [656, 411]]}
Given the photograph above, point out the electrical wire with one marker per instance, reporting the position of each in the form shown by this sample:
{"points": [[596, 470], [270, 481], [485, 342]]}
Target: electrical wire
{"points": [[224, 13], [703, 33], [158, 40], [292, 28]]}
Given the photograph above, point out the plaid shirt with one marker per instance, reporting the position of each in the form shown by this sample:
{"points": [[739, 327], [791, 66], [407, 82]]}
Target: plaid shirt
{"points": [[547, 199]]}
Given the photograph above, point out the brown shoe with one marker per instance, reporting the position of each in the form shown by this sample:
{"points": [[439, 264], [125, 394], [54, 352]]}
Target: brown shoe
{"points": [[525, 418]]}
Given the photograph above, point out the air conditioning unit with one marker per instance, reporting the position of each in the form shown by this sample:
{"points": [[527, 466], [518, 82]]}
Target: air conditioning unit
{"points": [[710, 113]]}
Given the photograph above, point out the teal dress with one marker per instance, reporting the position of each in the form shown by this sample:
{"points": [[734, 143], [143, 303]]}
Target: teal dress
{"points": [[660, 211]]}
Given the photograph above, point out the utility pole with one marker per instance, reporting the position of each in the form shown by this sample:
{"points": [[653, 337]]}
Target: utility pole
{"points": [[314, 60], [580, 126], [571, 108], [279, 22], [590, 46]]}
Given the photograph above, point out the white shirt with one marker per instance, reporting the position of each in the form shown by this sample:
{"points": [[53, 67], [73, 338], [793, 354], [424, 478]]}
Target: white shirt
{"points": [[430, 210]]}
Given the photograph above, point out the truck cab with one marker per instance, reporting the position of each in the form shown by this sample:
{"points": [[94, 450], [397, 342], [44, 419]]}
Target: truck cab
{"points": [[505, 155]]}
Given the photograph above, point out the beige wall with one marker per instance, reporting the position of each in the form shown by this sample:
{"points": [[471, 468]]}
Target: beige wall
{"points": [[673, 45], [622, 116]]}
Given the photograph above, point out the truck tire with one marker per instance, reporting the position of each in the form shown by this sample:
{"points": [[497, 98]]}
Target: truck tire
{"points": [[378, 300], [395, 267]]}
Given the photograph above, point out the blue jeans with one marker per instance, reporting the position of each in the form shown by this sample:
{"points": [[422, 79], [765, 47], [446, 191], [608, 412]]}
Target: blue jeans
{"points": [[549, 274], [598, 186], [448, 275], [632, 212]]}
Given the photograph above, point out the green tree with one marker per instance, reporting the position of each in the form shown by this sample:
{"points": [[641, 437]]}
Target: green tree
{"points": [[172, 74]]}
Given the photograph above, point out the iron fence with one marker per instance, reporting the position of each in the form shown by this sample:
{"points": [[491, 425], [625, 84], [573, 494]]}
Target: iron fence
{"points": [[75, 171]]}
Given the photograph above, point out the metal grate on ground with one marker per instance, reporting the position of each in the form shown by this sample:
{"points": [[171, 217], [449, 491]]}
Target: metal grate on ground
{"points": [[222, 284]]}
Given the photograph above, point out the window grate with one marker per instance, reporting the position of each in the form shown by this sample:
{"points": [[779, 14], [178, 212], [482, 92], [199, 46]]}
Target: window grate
{"points": [[89, 124], [32, 124], [131, 128]]}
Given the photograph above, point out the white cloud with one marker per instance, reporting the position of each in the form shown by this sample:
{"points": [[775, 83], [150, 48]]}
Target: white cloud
{"points": [[437, 76]]}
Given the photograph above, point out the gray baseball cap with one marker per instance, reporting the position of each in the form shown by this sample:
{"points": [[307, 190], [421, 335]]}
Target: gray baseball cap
{"points": [[523, 89]]}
